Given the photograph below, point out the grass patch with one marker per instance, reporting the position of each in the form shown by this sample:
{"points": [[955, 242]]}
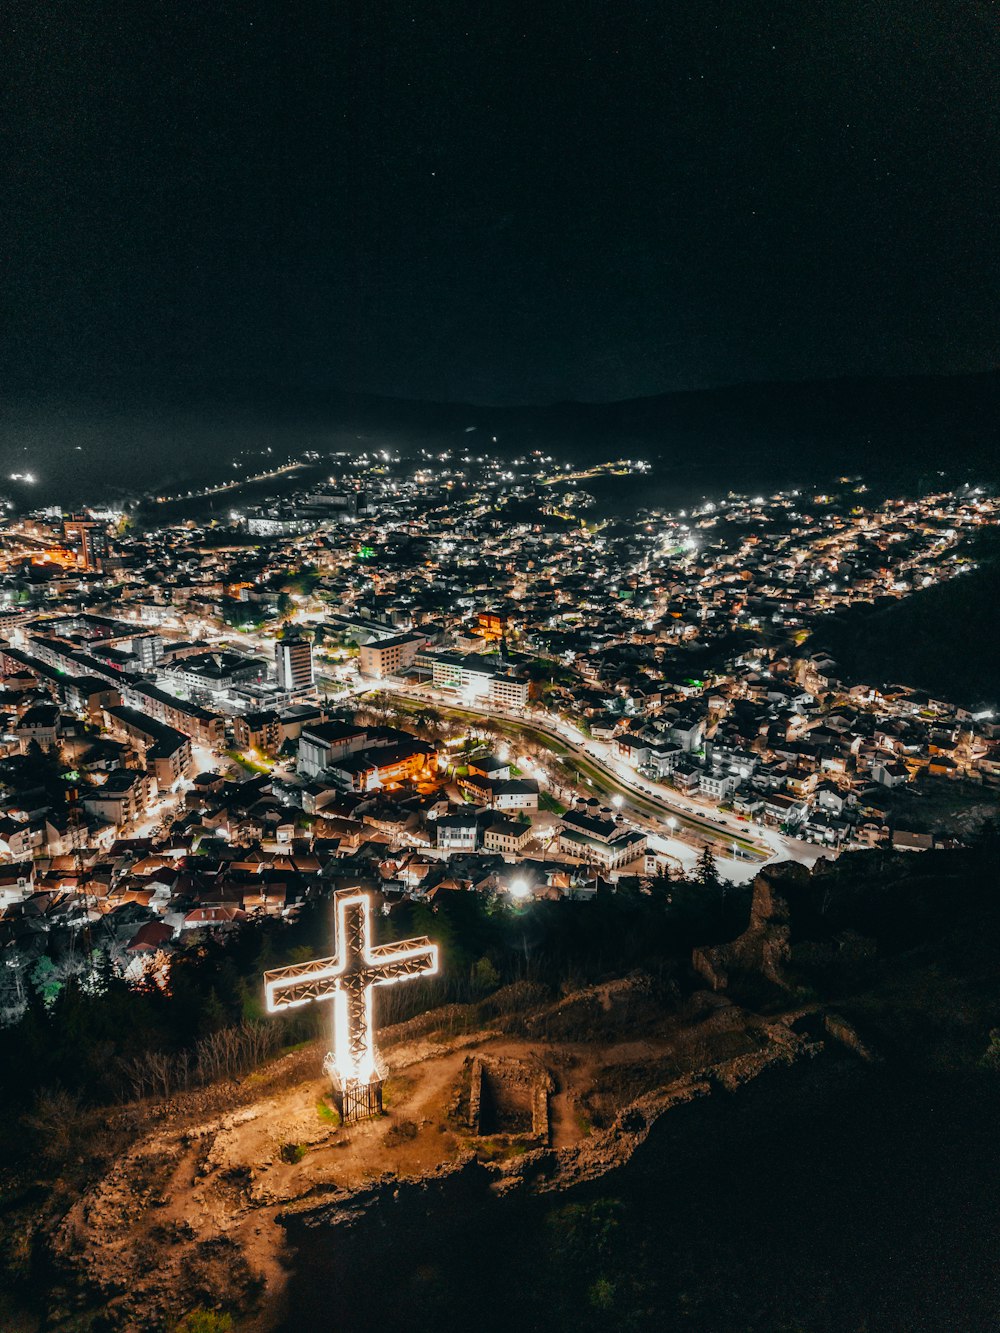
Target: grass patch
{"points": [[247, 765], [292, 1152], [204, 1321], [394, 1088], [490, 1150], [328, 1114]]}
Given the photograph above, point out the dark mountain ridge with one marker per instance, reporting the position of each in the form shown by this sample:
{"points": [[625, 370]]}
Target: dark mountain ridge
{"points": [[916, 416], [971, 402], [742, 436]]}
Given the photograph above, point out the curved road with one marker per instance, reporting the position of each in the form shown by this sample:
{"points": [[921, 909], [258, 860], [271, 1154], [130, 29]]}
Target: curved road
{"points": [[608, 779], [723, 833]]}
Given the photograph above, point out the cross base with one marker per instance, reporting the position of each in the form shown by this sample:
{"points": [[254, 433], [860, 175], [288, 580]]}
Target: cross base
{"points": [[360, 1101], [355, 1099]]}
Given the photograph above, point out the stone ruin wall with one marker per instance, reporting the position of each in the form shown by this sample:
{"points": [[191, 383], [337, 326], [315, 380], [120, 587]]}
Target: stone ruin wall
{"points": [[513, 1090]]}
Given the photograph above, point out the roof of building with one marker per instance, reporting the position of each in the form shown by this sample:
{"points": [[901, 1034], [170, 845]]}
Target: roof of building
{"points": [[396, 641], [40, 715], [458, 821], [332, 731], [120, 780], [508, 828]]}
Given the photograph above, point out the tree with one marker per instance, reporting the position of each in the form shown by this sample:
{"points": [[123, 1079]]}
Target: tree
{"points": [[44, 768], [52, 1122], [485, 977], [428, 722], [45, 980], [706, 872], [661, 887], [990, 1059], [304, 580]]}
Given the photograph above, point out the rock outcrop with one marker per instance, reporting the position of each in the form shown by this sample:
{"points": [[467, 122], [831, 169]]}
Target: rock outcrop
{"points": [[761, 953]]}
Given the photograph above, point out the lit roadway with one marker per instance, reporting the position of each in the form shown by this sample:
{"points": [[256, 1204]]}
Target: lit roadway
{"points": [[746, 850], [615, 777], [235, 484]]}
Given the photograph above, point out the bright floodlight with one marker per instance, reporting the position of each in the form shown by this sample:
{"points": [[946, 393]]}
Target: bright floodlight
{"points": [[349, 980], [519, 888], [616, 801]]}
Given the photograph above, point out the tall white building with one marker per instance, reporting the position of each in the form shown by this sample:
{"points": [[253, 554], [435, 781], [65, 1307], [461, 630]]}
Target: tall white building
{"points": [[293, 664]]}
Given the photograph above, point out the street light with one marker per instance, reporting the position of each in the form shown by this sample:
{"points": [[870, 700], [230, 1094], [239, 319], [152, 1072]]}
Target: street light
{"points": [[616, 801], [518, 888]]}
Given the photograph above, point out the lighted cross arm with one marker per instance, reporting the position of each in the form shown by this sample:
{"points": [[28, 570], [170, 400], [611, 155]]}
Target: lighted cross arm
{"points": [[287, 987], [392, 962]]}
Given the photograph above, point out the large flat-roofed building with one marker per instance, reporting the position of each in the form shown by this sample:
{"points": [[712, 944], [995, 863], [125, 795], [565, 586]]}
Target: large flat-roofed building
{"points": [[13, 619], [508, 692], [323, 744], [274, 523], [83, 694], [89, 538], [477, 678], [297, 717], [409, 760], [259, 730], [200, 724], [360, 629], [216, 673], [363, 758], [389, 657], [166, 751]]}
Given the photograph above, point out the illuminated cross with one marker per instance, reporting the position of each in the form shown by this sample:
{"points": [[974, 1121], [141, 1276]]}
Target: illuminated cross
{"points": [[349, 980]]}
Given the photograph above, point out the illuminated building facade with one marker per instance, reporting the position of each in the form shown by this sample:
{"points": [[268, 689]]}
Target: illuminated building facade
{"points": [[89, 539], [477, 678], [491, 626], [389, 657]]}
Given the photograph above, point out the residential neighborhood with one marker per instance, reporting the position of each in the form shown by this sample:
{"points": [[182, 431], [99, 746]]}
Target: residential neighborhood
{"points": [[440, 674]]}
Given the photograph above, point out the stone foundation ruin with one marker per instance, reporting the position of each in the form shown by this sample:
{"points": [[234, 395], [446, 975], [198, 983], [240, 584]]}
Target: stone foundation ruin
{"points": [[510, 1098]]}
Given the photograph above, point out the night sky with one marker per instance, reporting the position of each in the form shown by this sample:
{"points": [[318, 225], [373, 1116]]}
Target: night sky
{"points": [[495, 201]]}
